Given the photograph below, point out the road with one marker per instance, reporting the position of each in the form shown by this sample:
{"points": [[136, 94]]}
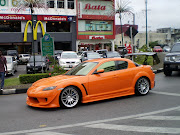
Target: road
{"points": [[154, 114]]}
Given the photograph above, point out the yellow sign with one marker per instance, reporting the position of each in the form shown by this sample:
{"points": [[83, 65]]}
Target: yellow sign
{"points": [[34, 29]]}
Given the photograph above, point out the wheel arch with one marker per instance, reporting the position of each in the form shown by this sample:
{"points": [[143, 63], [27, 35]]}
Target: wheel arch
{"points": [[140, 75]]}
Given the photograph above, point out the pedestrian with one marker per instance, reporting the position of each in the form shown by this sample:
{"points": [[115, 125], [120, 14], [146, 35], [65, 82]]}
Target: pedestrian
{"points": [[3, 69]]}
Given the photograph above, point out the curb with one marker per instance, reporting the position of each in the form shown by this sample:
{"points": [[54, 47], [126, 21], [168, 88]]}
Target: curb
{"points": [[158, 71], [12, 91]]}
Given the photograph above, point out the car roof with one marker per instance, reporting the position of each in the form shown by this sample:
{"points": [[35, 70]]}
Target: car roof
{"points": [[108, 59]]}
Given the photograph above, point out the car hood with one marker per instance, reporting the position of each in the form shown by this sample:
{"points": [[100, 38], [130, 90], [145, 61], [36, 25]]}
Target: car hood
{"points": [[173, 54], [55, 81]]}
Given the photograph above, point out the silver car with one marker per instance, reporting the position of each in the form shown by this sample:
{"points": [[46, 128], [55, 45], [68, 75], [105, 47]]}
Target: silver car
{"points": [[11, 65]]}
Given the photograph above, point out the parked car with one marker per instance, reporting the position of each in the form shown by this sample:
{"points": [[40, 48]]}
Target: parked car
{"points": [[90, 56], [13, 53], [11, 65], [69, 59], [41, 64], [102, 52], [111, 54], [172, 60], [166, 49], [157, 49], [92, 80], [24, 58]]}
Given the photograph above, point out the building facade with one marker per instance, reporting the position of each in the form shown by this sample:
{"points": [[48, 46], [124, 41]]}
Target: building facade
{"points": [[95, 25], [57, 18]]}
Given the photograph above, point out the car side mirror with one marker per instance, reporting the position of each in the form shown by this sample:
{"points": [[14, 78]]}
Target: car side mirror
{"points": [[99, 71]]}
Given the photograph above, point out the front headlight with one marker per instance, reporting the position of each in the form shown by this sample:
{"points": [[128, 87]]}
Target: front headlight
{"points": [[167, 58], [49, 88], [78, 62], [28, 65]]}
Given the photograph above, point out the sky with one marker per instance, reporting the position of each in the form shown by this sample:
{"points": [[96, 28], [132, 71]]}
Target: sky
{"points": [[161, 14]]}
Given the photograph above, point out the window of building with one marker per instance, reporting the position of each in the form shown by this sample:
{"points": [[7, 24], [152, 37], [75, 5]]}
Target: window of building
{"points": [[122, 65], [108, 66], [60, 3], [58, 26], [98, 25], [70, 4], [50, 3], [10, 26]]}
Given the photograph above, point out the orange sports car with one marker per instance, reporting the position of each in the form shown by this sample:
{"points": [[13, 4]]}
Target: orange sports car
{"points": [[92, 80]]}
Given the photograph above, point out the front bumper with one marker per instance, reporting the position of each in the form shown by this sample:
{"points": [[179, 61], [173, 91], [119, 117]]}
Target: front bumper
{"points": [[68, 66], [172, 66], [43, 99], [37, 69]]}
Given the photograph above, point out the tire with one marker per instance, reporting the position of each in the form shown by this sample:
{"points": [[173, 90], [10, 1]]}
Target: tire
{"points": [[13, 73], [69, 97], [167, 72], [142, 86]]}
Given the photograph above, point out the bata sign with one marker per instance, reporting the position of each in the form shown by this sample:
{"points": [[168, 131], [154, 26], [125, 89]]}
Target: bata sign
{"points": [[96, 37], [94, 7]]}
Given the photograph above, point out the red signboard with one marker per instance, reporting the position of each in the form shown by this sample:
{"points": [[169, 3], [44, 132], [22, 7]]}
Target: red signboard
{"points": [[52, 18], [129, 48], [14, 17]]}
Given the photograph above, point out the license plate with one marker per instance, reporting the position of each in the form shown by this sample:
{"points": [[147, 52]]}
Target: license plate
{"points": [[70, 66], [35, 68]]}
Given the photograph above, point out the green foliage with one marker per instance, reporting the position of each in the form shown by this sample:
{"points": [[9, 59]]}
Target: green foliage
{"points": [[152, 44], [144, 60], [52, 60], [31, 78], [58, 70], [144, 48]]}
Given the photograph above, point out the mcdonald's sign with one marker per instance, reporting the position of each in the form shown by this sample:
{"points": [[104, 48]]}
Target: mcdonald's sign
{"points": [[34, 29]]}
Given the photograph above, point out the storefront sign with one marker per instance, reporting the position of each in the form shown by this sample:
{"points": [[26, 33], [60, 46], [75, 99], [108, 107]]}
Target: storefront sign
{"points": [[35, 30], [88, 6], [129, 48], [79, 9], [54, 18], [14, 17], [96, 37]]}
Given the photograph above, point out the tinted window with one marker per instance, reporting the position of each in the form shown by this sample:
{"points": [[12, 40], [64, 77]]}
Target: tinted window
{"points": [[108, 66], [122, 65], [176, 48]]}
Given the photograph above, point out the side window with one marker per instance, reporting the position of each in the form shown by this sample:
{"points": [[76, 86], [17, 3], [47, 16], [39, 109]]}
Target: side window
{"points": [[108, 66], [122, 65]]}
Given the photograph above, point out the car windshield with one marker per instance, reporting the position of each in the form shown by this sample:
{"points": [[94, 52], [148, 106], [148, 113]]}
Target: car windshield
{"points": [[113, 54], [37, 58], [82, 69], [93, 55], [69, 55], [176, 48], [157, 47], [9, 60]]}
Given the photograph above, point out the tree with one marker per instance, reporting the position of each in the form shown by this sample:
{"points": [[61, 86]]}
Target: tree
{"points": [[122, 7]]}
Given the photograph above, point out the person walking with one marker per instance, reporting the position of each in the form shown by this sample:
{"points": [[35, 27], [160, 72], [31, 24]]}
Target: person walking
{"points": [[3, 69]]}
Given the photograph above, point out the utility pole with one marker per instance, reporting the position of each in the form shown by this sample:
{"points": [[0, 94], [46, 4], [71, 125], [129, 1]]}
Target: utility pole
{"points": [[146, 25]]}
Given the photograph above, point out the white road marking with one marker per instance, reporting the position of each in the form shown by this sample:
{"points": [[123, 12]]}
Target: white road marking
{"points": [[47, 133], [91, 122], [136, 128], [166, 93], [160, 118]]}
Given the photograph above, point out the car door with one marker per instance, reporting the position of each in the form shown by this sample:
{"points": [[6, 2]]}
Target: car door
{"points": [[103, 83], [124, 76]]}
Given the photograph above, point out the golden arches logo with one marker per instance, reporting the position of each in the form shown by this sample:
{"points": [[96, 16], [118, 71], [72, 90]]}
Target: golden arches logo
{"points": [[34, 29]]}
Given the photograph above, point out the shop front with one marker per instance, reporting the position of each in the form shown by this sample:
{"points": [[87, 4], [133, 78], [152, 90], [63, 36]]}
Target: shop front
{"points": [[96, 25]]}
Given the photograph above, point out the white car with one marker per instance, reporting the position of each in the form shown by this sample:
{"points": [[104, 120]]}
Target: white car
{"points": [[69, 59], [11, 65], [24, 58]]}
